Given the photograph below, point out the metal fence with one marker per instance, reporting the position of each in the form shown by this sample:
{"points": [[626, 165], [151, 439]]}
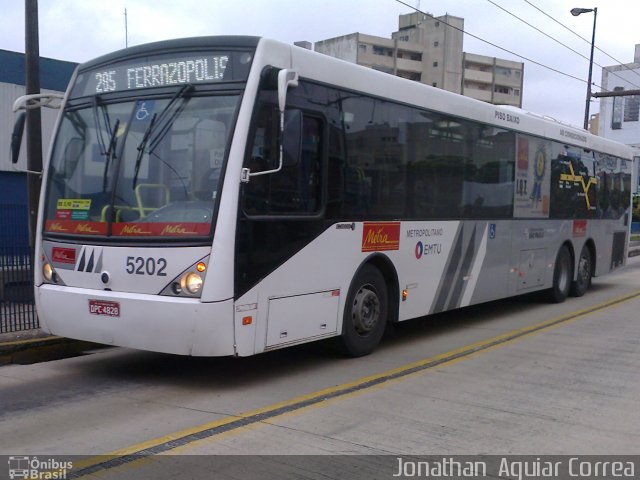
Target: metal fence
{"points": [[17, 308]]}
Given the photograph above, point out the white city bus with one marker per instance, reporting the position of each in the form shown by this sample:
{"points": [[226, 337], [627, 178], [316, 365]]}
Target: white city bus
{"points": [[235, 195]]}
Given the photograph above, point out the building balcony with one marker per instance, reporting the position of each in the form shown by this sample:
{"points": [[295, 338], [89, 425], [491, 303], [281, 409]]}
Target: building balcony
{"points": [[369, 59], [409, 65], [478, 76], [484, 95], [508, 80], [506, 99]]}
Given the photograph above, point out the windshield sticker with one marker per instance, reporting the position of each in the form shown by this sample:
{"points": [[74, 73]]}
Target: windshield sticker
{"points": [[144, 109], [72, 214], [73, 209], [74, 204]]}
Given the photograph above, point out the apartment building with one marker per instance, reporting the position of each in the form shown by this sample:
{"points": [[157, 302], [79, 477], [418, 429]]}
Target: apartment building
{"points": [[429, 49], [619, 117]]}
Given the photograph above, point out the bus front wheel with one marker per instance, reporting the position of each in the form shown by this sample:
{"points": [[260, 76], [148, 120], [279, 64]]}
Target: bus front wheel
{"points": [[561, 276], [365, 312]]}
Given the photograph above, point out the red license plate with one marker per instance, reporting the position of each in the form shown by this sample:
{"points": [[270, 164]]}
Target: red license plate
{"points": [[104, 307]]}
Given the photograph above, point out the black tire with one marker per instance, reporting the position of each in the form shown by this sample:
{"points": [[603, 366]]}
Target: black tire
{"points": [[365, 313], [562, 273], [585, 271]]}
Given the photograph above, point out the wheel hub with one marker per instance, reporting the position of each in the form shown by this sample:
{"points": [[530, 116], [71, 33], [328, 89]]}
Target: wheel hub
{"points": [[366, 309]]}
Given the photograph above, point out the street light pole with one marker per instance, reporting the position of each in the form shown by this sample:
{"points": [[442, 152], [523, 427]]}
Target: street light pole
{"points": [[575, 12]]}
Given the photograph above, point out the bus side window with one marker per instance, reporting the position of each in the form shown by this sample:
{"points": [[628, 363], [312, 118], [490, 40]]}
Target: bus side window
{"points": [[296, 189]]}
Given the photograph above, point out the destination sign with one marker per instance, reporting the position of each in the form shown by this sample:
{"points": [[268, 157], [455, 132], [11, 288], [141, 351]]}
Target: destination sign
{"points": [[163, 71]]}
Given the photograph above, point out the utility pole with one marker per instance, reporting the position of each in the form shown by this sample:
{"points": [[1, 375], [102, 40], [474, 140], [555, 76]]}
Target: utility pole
{"points": [[33, 121]]}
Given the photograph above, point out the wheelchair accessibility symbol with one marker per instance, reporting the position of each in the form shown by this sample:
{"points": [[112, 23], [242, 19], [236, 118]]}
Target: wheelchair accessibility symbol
{"points": [[144, 109], [142, 112]]}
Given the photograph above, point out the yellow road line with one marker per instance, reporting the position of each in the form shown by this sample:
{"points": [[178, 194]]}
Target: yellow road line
{"points": [[184, 437]]}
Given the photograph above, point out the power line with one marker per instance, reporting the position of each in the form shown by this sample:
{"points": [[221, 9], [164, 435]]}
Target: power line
{"points": [[499, 47], [559, 42], [584, 39]]}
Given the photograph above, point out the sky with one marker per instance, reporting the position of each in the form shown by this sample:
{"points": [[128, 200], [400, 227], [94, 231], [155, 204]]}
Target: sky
{"points": [[79, 30]]}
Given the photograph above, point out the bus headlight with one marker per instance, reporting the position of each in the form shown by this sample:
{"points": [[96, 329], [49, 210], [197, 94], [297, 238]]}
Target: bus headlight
{"points": [[48, 273], [192, 283]]}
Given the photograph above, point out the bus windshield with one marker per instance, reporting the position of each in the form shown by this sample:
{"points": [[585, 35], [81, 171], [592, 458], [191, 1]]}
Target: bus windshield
{"points": [[139, 168]]}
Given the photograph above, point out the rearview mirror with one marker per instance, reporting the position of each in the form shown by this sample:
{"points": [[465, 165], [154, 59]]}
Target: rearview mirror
{"points": [[16, 137]]}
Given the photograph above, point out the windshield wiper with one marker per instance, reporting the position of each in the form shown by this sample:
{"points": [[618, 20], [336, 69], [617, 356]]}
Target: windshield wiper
{"points": [[106, 149], [160, 125], [110, 154], [99, 130], [141, 148]]}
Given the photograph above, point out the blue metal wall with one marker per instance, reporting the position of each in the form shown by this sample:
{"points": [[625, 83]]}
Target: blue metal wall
{"points": [[14, 226]]}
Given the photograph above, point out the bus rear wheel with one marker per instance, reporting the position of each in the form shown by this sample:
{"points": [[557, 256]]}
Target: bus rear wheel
{"points": [[365, 313], [561, 276], [583, 280]]}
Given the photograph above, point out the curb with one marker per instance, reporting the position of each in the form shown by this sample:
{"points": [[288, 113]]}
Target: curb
{"points": [[42, 349]]}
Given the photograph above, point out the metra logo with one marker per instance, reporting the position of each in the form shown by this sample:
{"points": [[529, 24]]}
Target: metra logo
{"points": [[56, 227], [381, 236], [85, 228], [134, 230], [176, 230], [63, 255], [579, 228]]}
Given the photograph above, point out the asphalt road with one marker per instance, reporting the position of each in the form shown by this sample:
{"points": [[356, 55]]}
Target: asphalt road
{"points": [[510, 377]]}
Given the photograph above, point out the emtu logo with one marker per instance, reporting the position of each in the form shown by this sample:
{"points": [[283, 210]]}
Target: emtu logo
{"points": [[426, 249]]}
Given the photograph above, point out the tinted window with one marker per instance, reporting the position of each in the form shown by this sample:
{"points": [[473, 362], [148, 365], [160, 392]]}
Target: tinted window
{"points": [[296, 189], [394, 161]]}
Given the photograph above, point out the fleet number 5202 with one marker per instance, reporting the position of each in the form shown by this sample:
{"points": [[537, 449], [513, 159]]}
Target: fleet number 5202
{"points": [[146, 266]]}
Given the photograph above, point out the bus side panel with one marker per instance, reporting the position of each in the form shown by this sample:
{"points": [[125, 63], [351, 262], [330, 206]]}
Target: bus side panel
{"points": [[442, 264], [490, 274]]}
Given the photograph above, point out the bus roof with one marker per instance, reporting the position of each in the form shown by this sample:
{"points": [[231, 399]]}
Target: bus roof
{"points": [[179, 44], [323, 68]]}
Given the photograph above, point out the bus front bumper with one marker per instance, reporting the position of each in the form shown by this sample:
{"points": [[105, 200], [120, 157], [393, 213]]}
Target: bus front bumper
{"points": [[182, 326]]}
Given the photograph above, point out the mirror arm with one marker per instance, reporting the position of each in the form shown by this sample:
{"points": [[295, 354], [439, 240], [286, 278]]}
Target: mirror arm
{"points": [[24, 170], [286, 78], [29, 102], [37, 100]]}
